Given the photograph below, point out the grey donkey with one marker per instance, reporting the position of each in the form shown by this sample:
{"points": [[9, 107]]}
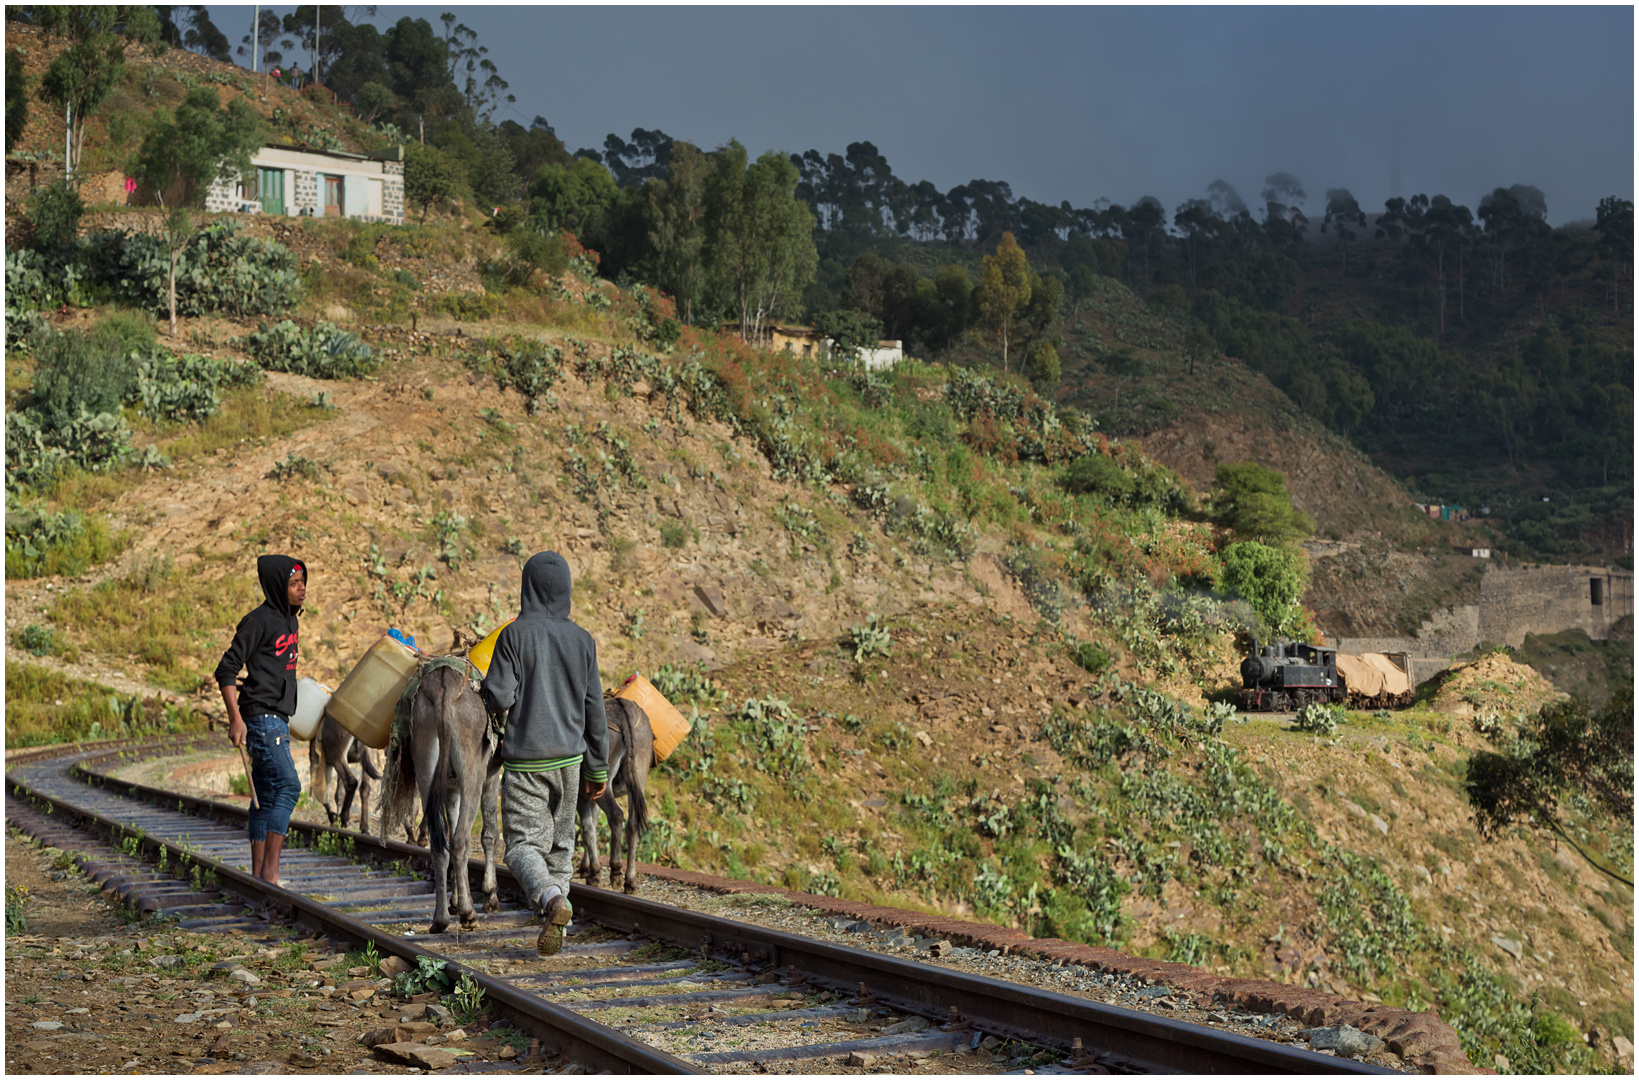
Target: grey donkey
{"points": [[631, 756], [334, 750], [452, 759]]}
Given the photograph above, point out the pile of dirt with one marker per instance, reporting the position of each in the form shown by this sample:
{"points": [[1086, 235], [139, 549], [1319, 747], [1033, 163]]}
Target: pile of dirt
{"points": [[1496, 685]]}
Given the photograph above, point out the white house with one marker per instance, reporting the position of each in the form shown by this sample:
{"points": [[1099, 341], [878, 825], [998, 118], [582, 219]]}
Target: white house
{"points": [[316, 183]]}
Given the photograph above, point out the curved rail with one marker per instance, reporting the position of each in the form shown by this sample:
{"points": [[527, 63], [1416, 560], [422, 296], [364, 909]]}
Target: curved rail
{"points": [[1123, 1039]]}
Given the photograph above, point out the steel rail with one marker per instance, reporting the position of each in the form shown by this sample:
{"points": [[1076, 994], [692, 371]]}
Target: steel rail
{"points": [[560, 1029], [1045, 1018]]}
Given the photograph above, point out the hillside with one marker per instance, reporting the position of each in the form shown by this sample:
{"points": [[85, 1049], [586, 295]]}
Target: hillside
{"points": [[923, 667]]}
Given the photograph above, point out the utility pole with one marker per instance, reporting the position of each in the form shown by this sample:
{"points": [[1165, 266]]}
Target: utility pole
{"points": [[255, 36], [68, 140]]}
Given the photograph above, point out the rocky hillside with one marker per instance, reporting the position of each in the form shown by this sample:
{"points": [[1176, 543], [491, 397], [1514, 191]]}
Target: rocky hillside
{"points": [[922, 669]]}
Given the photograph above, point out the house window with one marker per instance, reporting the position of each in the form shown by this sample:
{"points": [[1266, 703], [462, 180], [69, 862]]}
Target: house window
{"points": [[1596, 591], [247, 186]]}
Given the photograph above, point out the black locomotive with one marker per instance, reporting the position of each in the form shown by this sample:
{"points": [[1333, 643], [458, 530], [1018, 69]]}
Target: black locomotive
{"points": [[1287, 676]]}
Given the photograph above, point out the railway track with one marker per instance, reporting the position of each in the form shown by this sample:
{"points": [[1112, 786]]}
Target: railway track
{"points": [[638, 987]]}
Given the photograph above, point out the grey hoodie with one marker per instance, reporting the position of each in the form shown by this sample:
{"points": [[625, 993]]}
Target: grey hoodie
{"points": [[545, 669]]}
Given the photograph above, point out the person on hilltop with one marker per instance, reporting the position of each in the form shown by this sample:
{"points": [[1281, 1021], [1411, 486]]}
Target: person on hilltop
{"points": [[555, 748], [264, 645]]}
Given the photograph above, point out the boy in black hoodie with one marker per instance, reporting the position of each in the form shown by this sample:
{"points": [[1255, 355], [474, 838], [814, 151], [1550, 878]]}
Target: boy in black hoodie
{"points": [[545, 670], [259, 710]]}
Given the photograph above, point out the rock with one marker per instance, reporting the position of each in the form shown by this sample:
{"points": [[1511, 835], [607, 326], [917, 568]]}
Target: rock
{"points": [[860, 1061], [1507, 945], [712, 597], [260, 1068], [438, 1012], [1346, 1040], [908, 1027], [222, 1047], [47, 1025], [1624, 1048], [392, 966], [412, 1053], [412, 1012], [858, 1016], [1501, 1062], [507, 1053], [924, 738], [305, 1061], [860, 927], [241, 975], [361, 996], [458, 1035], [225, 969], [165, 961], [1379, 824], [940, 948], [990, 1042]]}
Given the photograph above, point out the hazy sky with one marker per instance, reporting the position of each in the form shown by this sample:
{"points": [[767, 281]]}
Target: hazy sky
{"points": [[1084, 103]]}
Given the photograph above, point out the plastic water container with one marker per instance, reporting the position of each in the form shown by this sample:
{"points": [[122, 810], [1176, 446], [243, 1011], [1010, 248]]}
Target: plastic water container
{"points": [[669, 725], [311, 698], [483, 652], [363, 703]]}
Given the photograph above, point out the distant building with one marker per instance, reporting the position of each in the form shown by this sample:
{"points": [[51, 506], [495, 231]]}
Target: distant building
{"points": [[287, 182], [806, 341]]}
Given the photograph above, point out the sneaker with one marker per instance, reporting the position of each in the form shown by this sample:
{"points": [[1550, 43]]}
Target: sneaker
{"points": [[558, 914]]}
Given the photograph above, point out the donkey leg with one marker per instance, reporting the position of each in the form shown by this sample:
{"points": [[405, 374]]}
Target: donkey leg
{"points": [[617, 825], [630, 884], [350, 787], [490, 800], [432, 786], [588, 812], [461, 853]]}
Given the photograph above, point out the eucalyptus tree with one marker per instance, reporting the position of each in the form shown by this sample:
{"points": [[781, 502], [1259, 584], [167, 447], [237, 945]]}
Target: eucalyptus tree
{"points": [[759, 237]]}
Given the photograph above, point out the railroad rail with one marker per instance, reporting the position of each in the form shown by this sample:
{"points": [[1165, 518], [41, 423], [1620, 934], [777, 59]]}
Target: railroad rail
{"points": [[826, 1002]]}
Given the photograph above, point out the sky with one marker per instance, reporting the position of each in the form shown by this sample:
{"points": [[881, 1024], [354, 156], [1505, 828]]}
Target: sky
{"points": [[1084, 103]]}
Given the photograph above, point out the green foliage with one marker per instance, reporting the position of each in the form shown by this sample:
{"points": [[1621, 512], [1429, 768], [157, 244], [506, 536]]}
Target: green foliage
{"points": [[1253, 501], [1098, 474], [849, 332], [78, 373], [870, 639], [1568, 753], [531, 367], [778, 736], [429, 974], [54, 211], [324, 352], [469, 999], [183, 388], [681, 686], [430, 177], [1090, 657], [17, 96], [37, 639], [1271, 579], [1318, 719], [295, 465], [17, 904]]}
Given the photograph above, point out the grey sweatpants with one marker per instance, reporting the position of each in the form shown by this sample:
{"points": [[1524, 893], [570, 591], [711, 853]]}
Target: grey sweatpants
{"points": [[538, 821]]}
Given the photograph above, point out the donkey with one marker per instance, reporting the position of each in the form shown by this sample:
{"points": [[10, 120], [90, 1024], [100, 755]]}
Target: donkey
{"points": [[631, 756], [451, 757], [334, 750]]}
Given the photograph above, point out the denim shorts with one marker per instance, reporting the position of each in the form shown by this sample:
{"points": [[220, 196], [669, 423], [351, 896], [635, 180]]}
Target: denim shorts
{"points": [[272, 774]]}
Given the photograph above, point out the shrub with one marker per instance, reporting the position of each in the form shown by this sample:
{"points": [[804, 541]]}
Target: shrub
{"points": [[1269, 578], [1097, 474], [871, 639], [80, 373], [38, 453], [221, 269], [40, 543], [325, 352], [181, 388], [1090, 657], [1254, 502], [470, 307], [1319, 719], [37, 639], [55, 211], [531, 367]]}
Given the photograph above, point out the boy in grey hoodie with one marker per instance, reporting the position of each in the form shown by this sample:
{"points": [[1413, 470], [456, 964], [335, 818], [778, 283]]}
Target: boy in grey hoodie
{"points": [[545, 669]]}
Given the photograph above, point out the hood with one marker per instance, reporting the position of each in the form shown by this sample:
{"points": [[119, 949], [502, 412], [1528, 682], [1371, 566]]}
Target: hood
{"points": [[274, 573], [546, 586]]}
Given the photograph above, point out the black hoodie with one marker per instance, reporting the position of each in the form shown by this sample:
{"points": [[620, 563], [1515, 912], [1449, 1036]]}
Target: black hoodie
{"points": [[545, 670], [265, 644]]}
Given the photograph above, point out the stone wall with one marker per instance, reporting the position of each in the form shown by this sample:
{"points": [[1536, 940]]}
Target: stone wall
{"points": [[307, 193], [1515, 601], [392, 192]]}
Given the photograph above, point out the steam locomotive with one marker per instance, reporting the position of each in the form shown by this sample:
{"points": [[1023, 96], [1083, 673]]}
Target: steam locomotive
{"points": [[1285, 676]]}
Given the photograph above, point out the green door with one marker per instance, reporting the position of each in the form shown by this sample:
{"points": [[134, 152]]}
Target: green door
{"points": [[270, 183]]}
